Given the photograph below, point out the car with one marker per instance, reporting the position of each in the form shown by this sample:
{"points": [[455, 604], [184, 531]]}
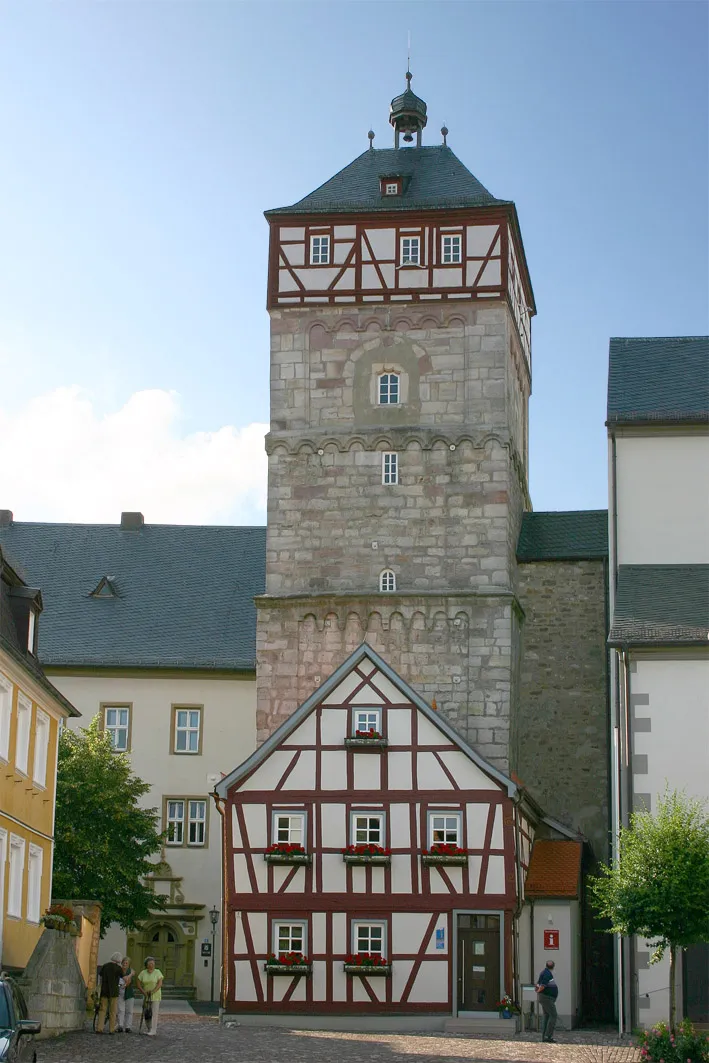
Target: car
{"points": [[16, 1030]]}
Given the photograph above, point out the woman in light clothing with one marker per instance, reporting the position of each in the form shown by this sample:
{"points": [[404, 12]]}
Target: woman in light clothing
{"points": [[126, 997], [149, 982]]}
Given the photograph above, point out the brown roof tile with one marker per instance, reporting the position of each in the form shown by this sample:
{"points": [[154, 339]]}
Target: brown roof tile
{"points": [[554, 870]]}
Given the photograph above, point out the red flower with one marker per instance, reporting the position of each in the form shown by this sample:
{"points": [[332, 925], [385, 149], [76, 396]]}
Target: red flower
{"points": [[285, 847]]}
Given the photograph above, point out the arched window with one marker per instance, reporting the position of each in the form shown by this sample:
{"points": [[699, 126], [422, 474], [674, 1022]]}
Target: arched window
{"points": [[389, 389], [387, 580]]}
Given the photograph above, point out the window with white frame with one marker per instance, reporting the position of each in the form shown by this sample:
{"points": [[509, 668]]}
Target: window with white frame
{"points": [[451, 249], [319, 250], [41, 745], [369, 937], [188, 726], [34, 883], [389, 390], [289, 937], [390, 467], [367, 720], [175, 821], [196, 822], [289, 828], [391, 188], [444, 828], [387, 580], [5, 716], [116, 722], [31, 628], [410, 250], [16, 877], [22, 739], [367, 828]]}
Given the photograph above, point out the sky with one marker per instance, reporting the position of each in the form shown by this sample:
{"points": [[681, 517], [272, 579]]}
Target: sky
{"points": [[142, 141]]}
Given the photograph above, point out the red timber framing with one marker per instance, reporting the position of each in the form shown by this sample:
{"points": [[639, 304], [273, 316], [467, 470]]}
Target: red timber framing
{"points": [[305, 769], [429, 226]]}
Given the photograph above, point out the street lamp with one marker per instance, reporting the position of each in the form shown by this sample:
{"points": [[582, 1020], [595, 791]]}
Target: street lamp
{"points": [[214, 916]]}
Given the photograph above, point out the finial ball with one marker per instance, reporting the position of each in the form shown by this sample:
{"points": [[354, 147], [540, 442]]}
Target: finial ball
{"points": [[444, 130]]}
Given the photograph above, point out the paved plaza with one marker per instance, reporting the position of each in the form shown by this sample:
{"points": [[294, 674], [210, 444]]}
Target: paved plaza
{"points": [[187, 1037]]}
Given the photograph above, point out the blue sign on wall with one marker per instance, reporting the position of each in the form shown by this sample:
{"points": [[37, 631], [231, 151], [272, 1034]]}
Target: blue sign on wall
{"points": [[441, 938]]}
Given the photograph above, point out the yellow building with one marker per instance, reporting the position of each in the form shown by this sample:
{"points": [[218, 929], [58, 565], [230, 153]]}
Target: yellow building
{"points": [[31, 711]]}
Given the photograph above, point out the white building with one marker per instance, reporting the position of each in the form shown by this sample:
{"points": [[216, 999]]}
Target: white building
{"points": [[658, 429], [153, 628]]}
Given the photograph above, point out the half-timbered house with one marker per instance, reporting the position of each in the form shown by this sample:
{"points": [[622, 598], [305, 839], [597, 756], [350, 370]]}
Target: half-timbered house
{"points": [[374, 862]]}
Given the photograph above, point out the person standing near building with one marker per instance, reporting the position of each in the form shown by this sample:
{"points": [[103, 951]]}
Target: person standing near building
{"points": [[111, 974], [547, 992], [126, 998], [149, 983]]}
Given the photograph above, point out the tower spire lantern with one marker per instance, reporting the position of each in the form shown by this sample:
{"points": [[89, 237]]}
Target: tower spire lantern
{"points": [[408, 115]]}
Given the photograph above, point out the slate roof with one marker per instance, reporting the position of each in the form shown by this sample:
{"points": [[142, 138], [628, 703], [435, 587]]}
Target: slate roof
{"points": [[184, 593], [661, 605], [658, 380], [564, 536], [434, 178], [554, 869]]}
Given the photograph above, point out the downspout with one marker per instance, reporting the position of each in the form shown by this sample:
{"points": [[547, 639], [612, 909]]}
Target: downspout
{"points": [[626, 793], [517, 988], [225, 965], [614, 715]]}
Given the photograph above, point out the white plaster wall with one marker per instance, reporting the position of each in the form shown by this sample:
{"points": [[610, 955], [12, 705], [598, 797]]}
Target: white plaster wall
{"points": [[561, 916], [229, 736], [677, 746], [663, 499]]}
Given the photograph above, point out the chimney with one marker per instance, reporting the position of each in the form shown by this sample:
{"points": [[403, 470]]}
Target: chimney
{"points": [[132, 521], [5, 518]]}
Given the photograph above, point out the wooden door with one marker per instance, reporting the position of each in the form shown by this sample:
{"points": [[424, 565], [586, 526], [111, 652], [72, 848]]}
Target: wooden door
{"points": [[695, 966], [478, 962], [166, 949]]}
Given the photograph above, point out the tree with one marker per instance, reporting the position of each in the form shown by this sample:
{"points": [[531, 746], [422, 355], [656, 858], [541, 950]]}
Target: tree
{"points": [[659, 887], [103, 838]]}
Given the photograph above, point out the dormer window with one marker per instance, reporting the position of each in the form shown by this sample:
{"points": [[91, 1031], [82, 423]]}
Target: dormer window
{"points": [[319, 250], [391, 186]]}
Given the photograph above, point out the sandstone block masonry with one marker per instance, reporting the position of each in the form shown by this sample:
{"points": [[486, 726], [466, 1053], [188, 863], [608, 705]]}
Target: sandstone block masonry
{"points": [[560, 741], [447, 528]]}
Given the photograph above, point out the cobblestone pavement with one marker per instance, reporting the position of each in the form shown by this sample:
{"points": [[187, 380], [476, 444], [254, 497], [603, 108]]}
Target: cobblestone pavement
{"points": [[182, 1038]]}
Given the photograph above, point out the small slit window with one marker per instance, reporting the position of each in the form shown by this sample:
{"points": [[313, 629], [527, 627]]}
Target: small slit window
{"points": [[410, 250], [319, 250], [387, 580], [389, 389], [390, 468], [451, 249]]}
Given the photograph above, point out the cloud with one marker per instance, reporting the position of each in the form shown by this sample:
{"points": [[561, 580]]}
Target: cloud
{"points": [[61, 460]]}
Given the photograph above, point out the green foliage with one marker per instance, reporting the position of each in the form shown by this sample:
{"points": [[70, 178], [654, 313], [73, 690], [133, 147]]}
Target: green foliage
{"points": [[659, 1045], [659, 888], [103, 838]]}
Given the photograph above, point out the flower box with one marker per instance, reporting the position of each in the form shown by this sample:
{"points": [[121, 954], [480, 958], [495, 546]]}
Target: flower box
{"points": [[290, 969], [285, 853], [373, 859], [363, 743], [367, 964], [442, 855]]}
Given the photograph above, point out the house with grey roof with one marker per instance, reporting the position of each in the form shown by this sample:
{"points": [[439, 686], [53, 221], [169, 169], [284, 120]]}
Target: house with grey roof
{"points": [[658, 435]]}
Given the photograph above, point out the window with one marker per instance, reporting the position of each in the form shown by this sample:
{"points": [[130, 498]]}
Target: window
{"points": [[187, 725], [185, 821], [5, 716], [390, 468], [391, 188], [410, 250], [389, 389], [116, 721], [289, 937], [34, 883], [367, 719], [22, 740], [450, 248], [41, 744], [196, 822], [319, 250], [367, 828], [369, 937], [289, 827], [31, 625], [175, 822], [444, 827], [17, 874], [387, 580]]}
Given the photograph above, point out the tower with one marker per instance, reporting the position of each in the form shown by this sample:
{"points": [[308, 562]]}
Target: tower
{"points": [[400, 307]]}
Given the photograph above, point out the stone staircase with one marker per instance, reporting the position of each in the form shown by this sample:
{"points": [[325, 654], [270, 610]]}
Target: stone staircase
{"points": [[472, 1025], [179, 992]]}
